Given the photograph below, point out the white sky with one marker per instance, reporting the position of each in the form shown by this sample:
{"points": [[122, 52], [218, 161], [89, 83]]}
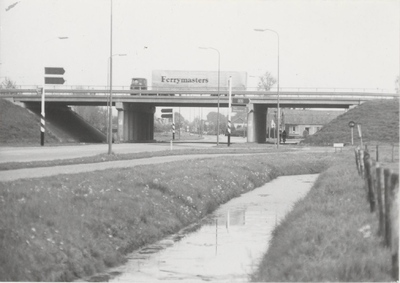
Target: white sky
{"points": [[325, 44]]}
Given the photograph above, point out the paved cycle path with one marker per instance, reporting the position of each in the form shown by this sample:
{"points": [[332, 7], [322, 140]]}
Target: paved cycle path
{"points": [[12, 175]]}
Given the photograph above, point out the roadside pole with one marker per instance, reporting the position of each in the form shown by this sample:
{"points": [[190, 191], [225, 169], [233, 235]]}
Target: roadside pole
{"points": [[351, 125], [173, 124], [360, 134], [229, 110], [42, 112]]}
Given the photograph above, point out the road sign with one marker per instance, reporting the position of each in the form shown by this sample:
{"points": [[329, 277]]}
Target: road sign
{"points": [[54, 71], [166, 116], [240, 101], [238, 109], [167, 110], [54, 80], [351, 124]]}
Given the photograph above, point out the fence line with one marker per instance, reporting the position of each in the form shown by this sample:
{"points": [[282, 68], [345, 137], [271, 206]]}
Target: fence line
{"points": [[382, 191]]}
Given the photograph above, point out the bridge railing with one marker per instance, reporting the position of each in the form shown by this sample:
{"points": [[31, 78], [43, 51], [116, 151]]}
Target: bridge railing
{"points": [[222, 89], [202, 92]]}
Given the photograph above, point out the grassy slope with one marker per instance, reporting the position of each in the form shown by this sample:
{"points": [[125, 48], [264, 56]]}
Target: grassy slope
{"points": [[331, 235], [19, 126], [379, 121], [68, 226], [328, 236], [38, 245]]}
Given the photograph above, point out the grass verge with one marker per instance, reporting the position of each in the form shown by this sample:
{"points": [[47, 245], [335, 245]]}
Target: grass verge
{"points": [[65, 227], [330, 235], [114, 157]]}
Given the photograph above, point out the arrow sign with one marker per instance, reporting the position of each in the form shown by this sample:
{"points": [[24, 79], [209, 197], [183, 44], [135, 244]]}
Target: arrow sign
{"points": [[54, 71], [240, 101], [168, 110], [54, 81], [166, 116]]}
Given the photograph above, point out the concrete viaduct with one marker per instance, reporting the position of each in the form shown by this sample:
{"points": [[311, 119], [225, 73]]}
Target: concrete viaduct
{"points": [[136, 108]]}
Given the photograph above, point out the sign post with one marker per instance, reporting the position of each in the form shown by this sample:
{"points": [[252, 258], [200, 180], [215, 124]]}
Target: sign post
{"points": [[229, 110], [48, 80], [169, 115], [351, 125]]}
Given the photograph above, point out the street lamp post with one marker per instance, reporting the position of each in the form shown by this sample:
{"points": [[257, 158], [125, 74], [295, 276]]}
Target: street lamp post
{"points": [[278, 119], [219, 57], [109, 102], [42, 104]]}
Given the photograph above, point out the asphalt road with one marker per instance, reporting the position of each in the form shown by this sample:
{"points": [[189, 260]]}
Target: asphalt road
{"points": [[43, 153], [28, 154]]}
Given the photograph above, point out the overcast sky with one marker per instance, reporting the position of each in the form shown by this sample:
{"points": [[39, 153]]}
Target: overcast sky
{"points": [[342, 44], [324, 44]]}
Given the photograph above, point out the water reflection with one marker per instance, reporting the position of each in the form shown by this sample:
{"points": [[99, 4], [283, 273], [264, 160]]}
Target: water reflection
{"points": [[227, 246]]}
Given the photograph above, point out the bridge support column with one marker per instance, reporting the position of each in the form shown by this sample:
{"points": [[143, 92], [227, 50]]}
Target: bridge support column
{"points": [[135, 122], [257, 123]]}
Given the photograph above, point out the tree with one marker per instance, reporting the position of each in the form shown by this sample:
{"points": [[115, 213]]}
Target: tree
{"points": [[8, 83], [212, 119], [95, 115], [180, 122], [266, 82]]}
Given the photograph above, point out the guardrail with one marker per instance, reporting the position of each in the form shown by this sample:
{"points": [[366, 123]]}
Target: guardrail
{"points": [[273, 89], [246, 93], [382, 188]]}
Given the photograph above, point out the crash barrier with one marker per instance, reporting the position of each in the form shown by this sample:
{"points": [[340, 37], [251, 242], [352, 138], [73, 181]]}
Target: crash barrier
{"points": [[382, 190]]}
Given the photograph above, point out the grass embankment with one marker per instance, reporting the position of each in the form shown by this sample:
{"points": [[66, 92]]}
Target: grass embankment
{"points": [[379, 120], [330, 235], [69, 226], [18, 126]]}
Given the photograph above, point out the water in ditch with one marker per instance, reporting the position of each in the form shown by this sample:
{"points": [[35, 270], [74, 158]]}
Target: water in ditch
{"points": [[227, 246]]}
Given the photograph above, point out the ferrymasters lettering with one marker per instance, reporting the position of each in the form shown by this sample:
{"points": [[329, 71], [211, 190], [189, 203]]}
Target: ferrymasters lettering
{"points": [[183, 80]]}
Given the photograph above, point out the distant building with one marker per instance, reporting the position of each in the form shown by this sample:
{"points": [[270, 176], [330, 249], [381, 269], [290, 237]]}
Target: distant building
{"points": [[299, 122]]}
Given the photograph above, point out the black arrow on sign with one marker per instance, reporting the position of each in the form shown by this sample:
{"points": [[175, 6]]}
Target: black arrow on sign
{"points": [[54, 81], [168, 110], [166, 116], [54, 71]]}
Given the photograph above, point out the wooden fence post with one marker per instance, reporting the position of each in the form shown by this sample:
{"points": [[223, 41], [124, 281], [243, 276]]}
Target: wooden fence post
{"points": [[387, 174], [356, 152], [394, 220], [380, 185], [362, 163], [369, 182]]}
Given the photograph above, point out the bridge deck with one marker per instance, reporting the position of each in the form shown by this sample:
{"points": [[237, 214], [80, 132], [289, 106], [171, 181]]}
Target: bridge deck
{"points": [[194, 98]]}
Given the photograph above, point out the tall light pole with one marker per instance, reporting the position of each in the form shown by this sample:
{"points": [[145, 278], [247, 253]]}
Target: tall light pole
{"points": [[219, 57], [42, 112], [109, 106], [110, 98], [278, 119]]}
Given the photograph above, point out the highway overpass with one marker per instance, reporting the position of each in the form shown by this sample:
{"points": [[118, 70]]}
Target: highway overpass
{"points": [[136, 108]]}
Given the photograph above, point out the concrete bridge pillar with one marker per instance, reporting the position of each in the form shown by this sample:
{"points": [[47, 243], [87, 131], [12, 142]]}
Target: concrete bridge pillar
{"points": [[135, 122], [257, 123]]}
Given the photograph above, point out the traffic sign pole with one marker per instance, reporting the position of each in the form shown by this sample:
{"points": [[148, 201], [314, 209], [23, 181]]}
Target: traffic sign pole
{"points": [[229, 110], [48, 80], [173, 126], [42, 112]]}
